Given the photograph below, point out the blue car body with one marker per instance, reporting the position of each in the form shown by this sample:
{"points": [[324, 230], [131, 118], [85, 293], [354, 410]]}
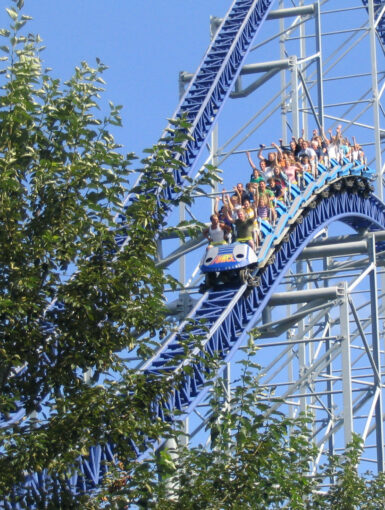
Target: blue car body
{"points": [[227, 257]]}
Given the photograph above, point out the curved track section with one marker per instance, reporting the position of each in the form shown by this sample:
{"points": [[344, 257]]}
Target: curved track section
{"points": [[213, 81], [203, 100], [208, 91], [228, 313], [223, 316]]}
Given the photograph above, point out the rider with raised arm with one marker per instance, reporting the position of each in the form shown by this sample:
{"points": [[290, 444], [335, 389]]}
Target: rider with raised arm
{"points": [[217, 232], [244, 227]]}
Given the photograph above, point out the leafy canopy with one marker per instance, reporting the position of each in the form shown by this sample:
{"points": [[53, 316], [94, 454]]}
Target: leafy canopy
{"points": [[72, 301]]}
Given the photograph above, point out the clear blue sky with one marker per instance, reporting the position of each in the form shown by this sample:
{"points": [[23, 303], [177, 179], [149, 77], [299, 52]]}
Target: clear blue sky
{"points": [[145, 43]]}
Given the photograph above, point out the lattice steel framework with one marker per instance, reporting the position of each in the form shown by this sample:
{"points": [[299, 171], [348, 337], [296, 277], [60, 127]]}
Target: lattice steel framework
{"points": [[325, 352], [317, 68]]}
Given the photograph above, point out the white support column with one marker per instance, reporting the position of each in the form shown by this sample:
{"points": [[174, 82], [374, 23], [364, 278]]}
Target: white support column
{"points": [[376, 352], [294, 96], [329, 368], [346, 368], [183, 439], [303, 99], [375, 98], [290, 365], [319, 64], [300, 268], [171, 484], [214, 159], [227, 384], [372, 246], [282, 54]]}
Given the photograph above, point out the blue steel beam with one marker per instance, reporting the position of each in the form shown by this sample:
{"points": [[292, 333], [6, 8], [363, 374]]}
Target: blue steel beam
{"points": [[205, 97], [212, 84], [202, 102], [226, 325], [378, 6], [228, 312]]}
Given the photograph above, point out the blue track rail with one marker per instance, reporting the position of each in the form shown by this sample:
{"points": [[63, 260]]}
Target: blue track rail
{"points": [[340, 194], [378, 6], [213, 82], [204, 99], [227, 313]]}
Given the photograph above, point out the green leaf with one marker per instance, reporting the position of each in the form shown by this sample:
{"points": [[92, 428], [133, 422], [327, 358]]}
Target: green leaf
{"points": [[12, 13], [20, 24]]}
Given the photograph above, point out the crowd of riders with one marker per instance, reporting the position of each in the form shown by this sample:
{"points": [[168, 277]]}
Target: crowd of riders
{"points": [[242, 210]]}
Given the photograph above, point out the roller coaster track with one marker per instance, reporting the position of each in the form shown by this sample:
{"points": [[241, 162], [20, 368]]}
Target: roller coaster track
{"points": [[227, 313], [339, 194], [206, 94], [213, 81], [378, 11]]}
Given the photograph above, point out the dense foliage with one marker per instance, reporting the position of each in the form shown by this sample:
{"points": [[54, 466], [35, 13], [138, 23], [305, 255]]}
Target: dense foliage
{"points": [[70, 299]]}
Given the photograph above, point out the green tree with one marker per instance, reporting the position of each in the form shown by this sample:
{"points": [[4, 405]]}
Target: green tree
{"points": [[349, 489], [254, 462], [71, 301]]}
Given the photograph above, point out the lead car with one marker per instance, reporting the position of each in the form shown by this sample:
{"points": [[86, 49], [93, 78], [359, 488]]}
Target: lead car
{"points": [[229, 264]]}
